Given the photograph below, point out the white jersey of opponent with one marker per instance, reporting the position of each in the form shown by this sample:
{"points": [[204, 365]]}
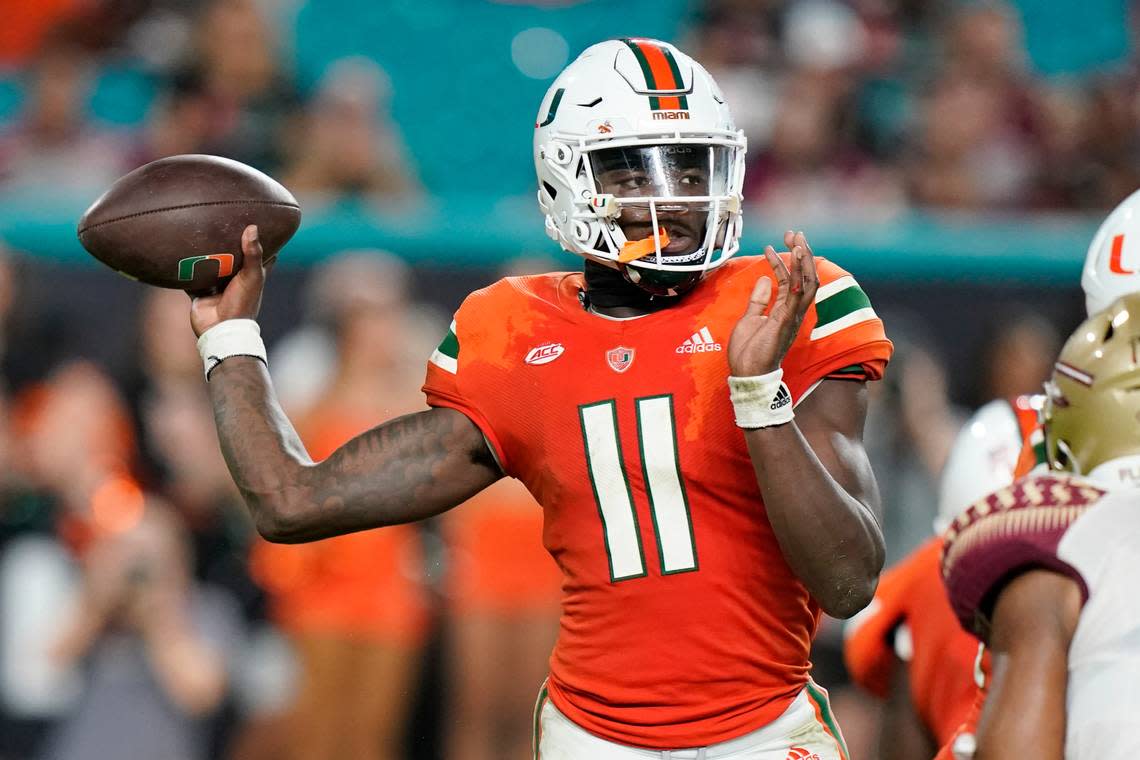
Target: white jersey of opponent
{"points": [[1103, 545]]}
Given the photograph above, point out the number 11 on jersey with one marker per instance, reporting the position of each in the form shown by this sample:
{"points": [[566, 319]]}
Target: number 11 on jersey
{"points": [[661, 468]]}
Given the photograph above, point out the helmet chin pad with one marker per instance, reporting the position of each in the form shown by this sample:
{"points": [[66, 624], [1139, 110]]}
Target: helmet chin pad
{"points": [[663, 282], [660, 282]]}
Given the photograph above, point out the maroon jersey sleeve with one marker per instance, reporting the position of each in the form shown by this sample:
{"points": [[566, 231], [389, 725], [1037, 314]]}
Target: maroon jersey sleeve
{"points": [[1006, 533]]}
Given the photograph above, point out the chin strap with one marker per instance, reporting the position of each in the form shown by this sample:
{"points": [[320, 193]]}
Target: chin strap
{"points": [[607, 288], [639, 249]]}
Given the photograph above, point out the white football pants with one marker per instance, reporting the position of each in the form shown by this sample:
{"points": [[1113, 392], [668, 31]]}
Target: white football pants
{"points": [[806, 731]]}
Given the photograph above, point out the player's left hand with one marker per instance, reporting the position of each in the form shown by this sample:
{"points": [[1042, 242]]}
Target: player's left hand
{"points": [[759, 341]]}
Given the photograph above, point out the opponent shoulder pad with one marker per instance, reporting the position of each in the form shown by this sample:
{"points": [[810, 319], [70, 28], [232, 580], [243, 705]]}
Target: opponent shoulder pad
{"points": [[1008, 532]]}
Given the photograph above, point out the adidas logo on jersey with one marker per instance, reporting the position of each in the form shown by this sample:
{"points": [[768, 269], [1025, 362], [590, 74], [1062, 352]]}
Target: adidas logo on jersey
{"points": [[783, 398], [699, 343], [799, 753]]}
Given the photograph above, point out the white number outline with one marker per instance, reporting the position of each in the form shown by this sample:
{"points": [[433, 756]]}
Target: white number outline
{"points": [[664, 487]]}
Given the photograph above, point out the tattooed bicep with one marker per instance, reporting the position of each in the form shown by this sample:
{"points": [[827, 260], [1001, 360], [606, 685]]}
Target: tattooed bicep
{"points": [[406, 469]]}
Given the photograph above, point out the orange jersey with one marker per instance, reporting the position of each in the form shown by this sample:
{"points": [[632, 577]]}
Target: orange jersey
{"points": [[1032, 434], [942, 656], [682, 625]]}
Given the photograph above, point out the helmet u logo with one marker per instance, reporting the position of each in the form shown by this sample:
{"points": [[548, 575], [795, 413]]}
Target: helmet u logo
{"points": [[1114, 257]]}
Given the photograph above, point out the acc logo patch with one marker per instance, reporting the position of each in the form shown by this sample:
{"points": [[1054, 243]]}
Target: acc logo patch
{"points": [[619, 358], [544, 354]]}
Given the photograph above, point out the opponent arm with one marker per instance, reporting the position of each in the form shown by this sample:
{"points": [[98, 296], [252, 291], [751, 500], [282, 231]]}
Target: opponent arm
{"points": [[407, 469], [813, 472], [1034, 620]]}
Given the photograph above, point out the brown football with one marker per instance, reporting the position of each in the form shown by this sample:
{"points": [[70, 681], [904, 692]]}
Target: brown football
{"points": [[177, 222]]}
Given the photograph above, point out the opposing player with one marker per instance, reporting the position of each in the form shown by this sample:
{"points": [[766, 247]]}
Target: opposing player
{"points": [[1045, 571], [700, 523], [906, 647]]}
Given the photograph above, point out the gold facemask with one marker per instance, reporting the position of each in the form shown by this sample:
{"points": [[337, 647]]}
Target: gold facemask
{"points": [[1092, 407]]}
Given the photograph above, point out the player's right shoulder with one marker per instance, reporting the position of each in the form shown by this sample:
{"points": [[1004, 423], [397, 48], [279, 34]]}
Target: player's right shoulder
{"points": [[552, 290], [503, 308]]}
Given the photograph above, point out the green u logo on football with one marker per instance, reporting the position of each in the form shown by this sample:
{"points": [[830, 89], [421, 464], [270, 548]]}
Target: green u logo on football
{"points": [[225, 265]]}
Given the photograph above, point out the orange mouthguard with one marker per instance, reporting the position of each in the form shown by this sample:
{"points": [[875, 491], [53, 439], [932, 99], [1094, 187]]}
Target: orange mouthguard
{"points": [[639, 249]]}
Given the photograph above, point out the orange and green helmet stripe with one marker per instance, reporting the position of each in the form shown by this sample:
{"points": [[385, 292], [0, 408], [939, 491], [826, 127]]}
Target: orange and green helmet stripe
{"points": [[554, 103], [661, 73]]}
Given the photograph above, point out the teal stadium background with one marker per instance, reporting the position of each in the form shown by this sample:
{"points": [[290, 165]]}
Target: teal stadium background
{"points": [[465, 110]]}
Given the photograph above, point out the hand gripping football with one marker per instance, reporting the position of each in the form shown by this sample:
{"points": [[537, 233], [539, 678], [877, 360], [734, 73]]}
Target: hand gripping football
{"points": [[177, 222]]}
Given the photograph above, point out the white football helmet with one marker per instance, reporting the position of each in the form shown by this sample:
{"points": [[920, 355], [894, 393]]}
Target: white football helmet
{"points": [[640, 166], [983, 458], [1112, 265]]}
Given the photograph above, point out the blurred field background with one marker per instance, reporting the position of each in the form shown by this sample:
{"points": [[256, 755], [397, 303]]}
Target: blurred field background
{"points": [[955, 156]]}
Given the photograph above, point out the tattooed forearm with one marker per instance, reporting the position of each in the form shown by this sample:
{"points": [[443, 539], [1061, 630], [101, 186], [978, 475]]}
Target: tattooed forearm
{"points": [[407, 469]]}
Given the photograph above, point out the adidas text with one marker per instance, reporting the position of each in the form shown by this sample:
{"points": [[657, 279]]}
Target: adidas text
{"points": [[689, 348], [699, 342]]}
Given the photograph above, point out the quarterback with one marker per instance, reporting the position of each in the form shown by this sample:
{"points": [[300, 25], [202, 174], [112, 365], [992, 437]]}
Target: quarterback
{"points": [[907, 646], [1045, 570], [691, 424]]}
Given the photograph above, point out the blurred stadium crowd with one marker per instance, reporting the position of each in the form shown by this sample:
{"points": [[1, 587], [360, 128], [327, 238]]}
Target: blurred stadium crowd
{"points": [[866, 107], [139, 617]]}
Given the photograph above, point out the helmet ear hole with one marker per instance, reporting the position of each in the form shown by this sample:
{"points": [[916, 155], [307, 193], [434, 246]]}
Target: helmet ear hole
{"points": [[551, 192], [581, 232], [1109, 332]]}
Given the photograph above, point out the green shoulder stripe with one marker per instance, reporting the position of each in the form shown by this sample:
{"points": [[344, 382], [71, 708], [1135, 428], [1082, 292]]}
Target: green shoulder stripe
{"points": [[853, 370], [446, 356], [838, 305], [449, 346], [1037, 441]]}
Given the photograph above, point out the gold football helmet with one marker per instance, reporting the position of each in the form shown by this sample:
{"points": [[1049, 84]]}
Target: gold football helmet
{"points": [[1092, 406]]}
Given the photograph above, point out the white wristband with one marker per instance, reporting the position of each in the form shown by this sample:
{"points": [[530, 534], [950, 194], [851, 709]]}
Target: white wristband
{"points": [[233, 337], [761, 401]]}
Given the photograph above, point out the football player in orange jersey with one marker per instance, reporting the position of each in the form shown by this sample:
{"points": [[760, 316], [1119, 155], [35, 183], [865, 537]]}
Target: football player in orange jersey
{"points": [[701, 525], [935, 700]]}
